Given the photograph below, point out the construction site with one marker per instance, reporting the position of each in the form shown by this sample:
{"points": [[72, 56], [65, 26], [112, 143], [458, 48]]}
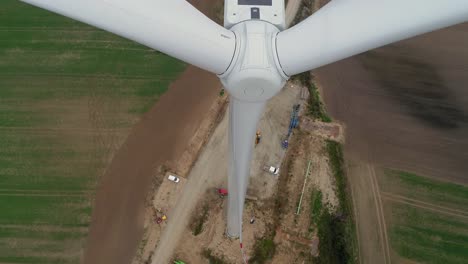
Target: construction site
{"points": [[185, 220], [290, 164]]}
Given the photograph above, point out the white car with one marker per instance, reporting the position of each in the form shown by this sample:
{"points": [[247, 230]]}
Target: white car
{"points": [[272, 170], [173, 178]]}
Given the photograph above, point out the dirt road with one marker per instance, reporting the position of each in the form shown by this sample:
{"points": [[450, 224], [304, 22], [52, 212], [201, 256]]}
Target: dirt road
{"points": [[368, 213], [209, 171], [291, 11]]}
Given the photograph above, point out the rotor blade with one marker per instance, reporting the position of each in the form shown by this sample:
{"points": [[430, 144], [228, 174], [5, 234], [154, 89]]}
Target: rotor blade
{"points": [[344, 28], [243, 120], [174, 27]]}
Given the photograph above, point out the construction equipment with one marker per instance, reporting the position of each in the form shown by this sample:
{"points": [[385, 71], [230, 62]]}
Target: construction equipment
{"points": [[160, 216], [271, 169], [293, 123], [258, 137], [285, 142]]}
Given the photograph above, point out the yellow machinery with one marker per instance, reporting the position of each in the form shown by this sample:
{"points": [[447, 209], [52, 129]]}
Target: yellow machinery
{"points": [[258, 137]]}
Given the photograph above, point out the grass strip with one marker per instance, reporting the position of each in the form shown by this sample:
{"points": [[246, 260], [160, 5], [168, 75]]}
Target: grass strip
{"points": [[264, 250], [428, 237], [200, 220], [213, 259], [315, 107], [336, 231]]}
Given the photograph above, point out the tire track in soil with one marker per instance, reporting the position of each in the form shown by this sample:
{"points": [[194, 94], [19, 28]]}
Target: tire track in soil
{"points": [[380, 214], [356, 219], [424, 205], [160, 136]]}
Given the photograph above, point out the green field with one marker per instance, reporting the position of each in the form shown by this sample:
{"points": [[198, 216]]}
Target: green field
{"points": [[69, 94], [428, 219]]}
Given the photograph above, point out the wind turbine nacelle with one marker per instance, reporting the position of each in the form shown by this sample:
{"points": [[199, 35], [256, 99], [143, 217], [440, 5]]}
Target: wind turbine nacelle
{"points": [[254, 74], [271, 11]]}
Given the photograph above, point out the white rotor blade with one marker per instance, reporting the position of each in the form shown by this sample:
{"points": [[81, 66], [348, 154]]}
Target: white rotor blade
{"points": [[243, 120], [344, 28], [171, 26]]}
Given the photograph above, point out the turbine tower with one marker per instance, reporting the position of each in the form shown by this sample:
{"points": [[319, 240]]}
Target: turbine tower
{"points": [[253, 54]]}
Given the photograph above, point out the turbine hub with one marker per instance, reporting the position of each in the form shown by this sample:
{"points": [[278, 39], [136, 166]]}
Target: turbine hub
{"points": [[254, 74]]}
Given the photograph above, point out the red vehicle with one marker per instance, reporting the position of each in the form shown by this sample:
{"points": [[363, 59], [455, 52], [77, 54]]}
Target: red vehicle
{"points": [[222, 192]]}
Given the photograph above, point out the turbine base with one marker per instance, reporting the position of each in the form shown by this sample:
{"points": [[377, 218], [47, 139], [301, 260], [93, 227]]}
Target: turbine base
{"points": [[233, 237]]}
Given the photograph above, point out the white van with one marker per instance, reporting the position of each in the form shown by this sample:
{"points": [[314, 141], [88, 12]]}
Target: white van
{"points": [[173, 178]]}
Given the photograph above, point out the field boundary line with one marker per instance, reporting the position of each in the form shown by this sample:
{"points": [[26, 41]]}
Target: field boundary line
{"points": [[42, 190], [426, 203], [449, 179], [380, 213], [415, 204], [356, 221], [75, 41], [100, 76], [43, 194], [75, 129], [49, 29], [45, 226], [90, 48]]}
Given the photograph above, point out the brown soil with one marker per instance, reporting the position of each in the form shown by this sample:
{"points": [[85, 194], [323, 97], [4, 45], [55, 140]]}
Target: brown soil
{"points": [[159, 137], [331, 131], [405, 106], [165, 194]]}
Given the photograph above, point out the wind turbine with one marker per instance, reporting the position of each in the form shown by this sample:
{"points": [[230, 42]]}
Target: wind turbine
{"points": [[253, 54]]}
